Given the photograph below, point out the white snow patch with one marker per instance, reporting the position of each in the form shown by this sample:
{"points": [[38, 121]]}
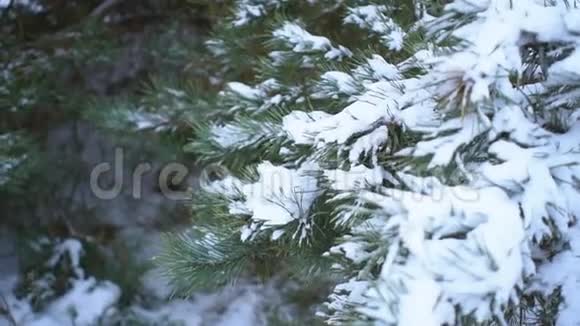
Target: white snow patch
{"points": [[281, 195]]}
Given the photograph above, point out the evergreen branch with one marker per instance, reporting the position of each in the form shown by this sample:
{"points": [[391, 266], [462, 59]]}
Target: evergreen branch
{"points": [[203, 262]]}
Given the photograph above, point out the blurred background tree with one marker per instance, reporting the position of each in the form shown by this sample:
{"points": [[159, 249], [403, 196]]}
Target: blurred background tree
{"points": [[80, 77]]}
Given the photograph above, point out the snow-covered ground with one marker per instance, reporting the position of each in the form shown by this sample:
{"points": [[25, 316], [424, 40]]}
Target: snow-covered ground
{"points": [[92, 300], [238, 306]]}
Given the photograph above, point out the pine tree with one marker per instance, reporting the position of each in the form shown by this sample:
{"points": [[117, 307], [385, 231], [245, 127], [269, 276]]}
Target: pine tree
{"points": [[422, 157], [128, 69], [132, 71]]}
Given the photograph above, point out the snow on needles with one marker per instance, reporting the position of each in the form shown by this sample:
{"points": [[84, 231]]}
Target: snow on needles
{"points": [[279, 196], [302, 41], [449, 167]]}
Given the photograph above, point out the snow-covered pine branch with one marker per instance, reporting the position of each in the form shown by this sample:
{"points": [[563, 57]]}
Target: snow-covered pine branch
{"points": [[451, 173]]}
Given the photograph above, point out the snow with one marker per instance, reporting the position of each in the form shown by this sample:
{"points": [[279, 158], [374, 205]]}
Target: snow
{"points": [[244, 91], [377, 107], [534, 171], [294, 124], [565, 70], [512, 120], [345, 295], [368, 144], [146, 120], [484, 177], [241, 305], [357, 117], [31, 5], [499, 237], [417, 304], [227, 135], [443, 148], [249, 10], [375, 18], [367, 17], [277, 234], [377, 68], [258, 98], [84, 304], [6, 166], [90, 301], [395, 39], [236, 135], [337, 54], [72, 249], [351, 250], [300, 39], [281, 195], [563, 272], [572, 21], [343, 82], [355, 178]]}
